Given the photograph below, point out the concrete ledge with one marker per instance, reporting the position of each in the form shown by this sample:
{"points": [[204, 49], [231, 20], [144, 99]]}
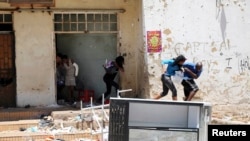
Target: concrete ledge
{"points": [[62, 118], [13, 114], [22, 136], [16, 125]]}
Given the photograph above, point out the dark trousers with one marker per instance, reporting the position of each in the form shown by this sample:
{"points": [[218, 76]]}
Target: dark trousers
{"points": [[189, 86], [167, 84], [109, 81], [59, 92]]}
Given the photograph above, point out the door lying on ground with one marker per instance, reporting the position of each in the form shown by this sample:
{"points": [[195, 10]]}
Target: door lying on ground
{"points": [[7, 71]]}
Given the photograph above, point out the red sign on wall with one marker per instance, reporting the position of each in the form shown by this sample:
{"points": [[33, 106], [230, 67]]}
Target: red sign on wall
{"points": [[154, 41]]}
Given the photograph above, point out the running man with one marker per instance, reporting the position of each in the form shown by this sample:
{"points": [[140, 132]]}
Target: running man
{"points": [[191, 71]]}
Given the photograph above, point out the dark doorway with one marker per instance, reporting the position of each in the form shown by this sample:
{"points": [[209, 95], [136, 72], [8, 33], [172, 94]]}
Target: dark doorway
{"points": [[90, 51], [7, 71]]}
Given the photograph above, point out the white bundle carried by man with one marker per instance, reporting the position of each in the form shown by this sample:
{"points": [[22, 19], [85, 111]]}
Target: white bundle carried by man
{"points": [[177, 78]]}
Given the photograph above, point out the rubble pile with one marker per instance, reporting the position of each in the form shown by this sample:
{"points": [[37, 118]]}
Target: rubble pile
{"points": [[91, 122]]}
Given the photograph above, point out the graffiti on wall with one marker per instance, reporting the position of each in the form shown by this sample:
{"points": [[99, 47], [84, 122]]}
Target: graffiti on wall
{"points": [[228, 63], [213, 65], [193, 47], [243, 65], [211, 48]]}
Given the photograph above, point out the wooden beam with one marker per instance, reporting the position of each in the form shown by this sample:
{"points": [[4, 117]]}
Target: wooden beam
{"points": [[34, 3]]}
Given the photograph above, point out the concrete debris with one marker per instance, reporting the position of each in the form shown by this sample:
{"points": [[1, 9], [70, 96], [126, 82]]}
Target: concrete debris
{"points": [[54, 105], [87, 117], [32, 129], [69, 122], [46, 121], [22, 129]]}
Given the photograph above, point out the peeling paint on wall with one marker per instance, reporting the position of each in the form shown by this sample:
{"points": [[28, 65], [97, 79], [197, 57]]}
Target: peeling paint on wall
{"points": [[238, 3]]}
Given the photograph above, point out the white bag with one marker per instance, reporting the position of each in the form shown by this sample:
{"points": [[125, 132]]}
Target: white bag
{"points": [[178, 77]]}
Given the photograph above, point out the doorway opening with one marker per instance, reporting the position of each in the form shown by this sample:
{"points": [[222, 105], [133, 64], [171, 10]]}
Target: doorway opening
{"points": [[90, 39], [7, 62]]}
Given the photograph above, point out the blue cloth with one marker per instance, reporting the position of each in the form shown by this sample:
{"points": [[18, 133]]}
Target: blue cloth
{"points": [[190, 66], [171, 68]]}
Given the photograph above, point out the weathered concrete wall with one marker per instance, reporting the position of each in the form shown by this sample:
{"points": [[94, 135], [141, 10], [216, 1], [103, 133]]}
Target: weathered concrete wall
{"points": [[142, 62], [214, 33], [35, 53], [34, 58]]}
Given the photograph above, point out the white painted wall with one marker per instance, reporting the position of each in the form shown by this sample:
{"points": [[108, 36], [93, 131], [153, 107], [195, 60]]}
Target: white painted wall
{"points": [[211, 32]]}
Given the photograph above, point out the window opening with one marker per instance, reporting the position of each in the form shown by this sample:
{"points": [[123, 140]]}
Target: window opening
{"points": [[6, 22], [85, 22]]}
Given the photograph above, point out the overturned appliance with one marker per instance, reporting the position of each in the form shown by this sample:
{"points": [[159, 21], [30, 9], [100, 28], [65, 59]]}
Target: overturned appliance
{"points": [[147, 120]]}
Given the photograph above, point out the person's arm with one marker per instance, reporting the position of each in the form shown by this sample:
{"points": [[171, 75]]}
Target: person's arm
{"points": [[198, 74], [194, 75], [121, 69], [104, 66], [164, 63], [76, 68], [163, 68], [107, 66]]}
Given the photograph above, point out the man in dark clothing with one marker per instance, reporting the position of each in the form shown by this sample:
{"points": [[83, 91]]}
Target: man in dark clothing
{"points": [[60, 76], [111, 70], [191, 71]]}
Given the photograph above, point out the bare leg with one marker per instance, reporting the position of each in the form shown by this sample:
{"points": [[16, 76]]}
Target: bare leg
{"points": [[191, 95], [158, 97], [186, 93], [184, 98], [174, 98]]}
